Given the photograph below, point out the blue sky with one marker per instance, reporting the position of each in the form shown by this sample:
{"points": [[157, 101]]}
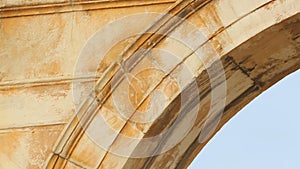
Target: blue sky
{"points": [[264, 135]]}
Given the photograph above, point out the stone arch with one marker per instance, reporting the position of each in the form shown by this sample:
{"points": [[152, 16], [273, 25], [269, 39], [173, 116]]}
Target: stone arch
{"points": [[256, 41], [258, 45]]}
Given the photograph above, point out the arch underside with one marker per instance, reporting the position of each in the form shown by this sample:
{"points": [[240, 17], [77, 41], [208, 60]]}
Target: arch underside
{"points": [[257, 43]]}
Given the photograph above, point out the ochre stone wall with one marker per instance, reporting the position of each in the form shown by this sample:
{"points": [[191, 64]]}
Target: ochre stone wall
{"points": [[208, 66]]}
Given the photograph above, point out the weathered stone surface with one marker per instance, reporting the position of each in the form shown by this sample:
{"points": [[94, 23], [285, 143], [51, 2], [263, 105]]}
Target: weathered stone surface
{"points": [[146, 110], [27, 147]]}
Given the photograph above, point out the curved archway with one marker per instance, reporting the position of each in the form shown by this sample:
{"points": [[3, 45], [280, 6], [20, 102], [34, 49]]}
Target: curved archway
{"points": [[257, 47], [264, 134], [256, 41]]}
